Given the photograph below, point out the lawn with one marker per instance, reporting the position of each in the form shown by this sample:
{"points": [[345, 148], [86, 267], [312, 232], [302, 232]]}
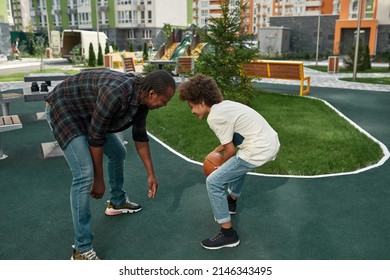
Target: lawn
{"points": [[314, 138]]}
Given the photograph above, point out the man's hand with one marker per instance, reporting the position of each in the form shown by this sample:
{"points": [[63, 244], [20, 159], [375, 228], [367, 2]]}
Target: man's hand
{"points": [[153, 186], [97, 189]]}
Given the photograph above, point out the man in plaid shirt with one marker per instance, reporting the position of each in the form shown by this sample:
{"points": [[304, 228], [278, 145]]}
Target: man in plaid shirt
{"points": [[85, 111]]}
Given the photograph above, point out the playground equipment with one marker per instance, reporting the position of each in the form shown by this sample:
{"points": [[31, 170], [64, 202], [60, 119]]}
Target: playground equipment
{"points": [[188, 46]]}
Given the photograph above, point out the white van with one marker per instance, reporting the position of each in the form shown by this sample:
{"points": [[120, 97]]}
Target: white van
{"points": [[76, 42]]}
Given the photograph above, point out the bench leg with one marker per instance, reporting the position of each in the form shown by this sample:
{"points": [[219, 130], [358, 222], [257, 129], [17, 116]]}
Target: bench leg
{"points": [[2, 155], [5, 108]]}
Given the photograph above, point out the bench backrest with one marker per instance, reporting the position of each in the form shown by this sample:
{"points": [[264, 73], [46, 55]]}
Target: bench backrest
{"points": [[185, 65], [274, 69], [128, 64], [286, 70], [255, 69]]}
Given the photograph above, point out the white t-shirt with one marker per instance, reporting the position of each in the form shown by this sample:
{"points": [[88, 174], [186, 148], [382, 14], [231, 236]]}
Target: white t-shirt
{"points": [[257, 141]]}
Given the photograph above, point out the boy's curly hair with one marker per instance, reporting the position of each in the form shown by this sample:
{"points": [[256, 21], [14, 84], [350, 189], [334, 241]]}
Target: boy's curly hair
{"points": [[200, 88]]}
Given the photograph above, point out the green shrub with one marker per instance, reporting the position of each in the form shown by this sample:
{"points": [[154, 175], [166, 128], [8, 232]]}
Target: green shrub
{"points": [[92, 56]]}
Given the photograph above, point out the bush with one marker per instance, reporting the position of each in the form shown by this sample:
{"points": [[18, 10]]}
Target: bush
{"points": [[92, 56], [145, 54], [100, 56]]}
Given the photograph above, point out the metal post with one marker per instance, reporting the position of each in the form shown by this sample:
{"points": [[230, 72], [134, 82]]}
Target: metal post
{"points": [[357, 39], [318, 38], [97, 22]]}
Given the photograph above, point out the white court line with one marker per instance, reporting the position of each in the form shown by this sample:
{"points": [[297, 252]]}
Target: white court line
{"points": [[385, 157]]}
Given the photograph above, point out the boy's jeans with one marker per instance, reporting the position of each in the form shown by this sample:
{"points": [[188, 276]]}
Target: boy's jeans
{"points": [[231, 175], [80, 162]]}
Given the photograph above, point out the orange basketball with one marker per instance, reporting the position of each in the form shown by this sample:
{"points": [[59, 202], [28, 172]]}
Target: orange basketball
{"points": [[212, 160]]}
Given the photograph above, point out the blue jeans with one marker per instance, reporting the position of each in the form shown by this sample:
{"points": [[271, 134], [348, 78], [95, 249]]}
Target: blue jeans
{"points": [[230, 175], [79, 159]]}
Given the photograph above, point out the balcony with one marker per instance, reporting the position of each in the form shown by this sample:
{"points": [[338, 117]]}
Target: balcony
{"points": [[140, 8], [316, 3], [103, 9]]}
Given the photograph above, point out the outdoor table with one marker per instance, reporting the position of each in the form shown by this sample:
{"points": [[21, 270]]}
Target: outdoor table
{"points": [[161, 62], [50, 149]]}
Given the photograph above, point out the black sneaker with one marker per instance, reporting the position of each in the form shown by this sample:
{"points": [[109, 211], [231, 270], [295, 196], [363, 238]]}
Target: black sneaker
{"points": [[232, 205], [220, 241]]}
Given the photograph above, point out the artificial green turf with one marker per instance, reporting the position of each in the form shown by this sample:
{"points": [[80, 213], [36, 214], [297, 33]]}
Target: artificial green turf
{"points": [[314, 138]]}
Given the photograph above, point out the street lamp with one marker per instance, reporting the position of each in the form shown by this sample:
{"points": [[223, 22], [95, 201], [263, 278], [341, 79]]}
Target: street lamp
{"points": [[357, 39]]}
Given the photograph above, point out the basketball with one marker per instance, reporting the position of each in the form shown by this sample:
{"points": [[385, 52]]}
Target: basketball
{"points": [[212, 160]]}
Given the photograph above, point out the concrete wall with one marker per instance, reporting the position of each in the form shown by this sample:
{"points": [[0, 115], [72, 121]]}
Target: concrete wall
{"points": [[5, 42], [304, 33]]}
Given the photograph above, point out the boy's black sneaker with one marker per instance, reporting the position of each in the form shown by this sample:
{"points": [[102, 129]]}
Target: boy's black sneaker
{"points": [[232, 205], [220, 241]]}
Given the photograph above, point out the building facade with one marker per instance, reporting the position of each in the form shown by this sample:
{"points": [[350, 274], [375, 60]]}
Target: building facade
{"points": [[140, 21], [123, 21], [374, 25]]}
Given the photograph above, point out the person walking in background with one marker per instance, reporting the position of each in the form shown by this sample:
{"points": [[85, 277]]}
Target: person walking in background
{"points": [[15, 49], [85, 112], [247, 142]]}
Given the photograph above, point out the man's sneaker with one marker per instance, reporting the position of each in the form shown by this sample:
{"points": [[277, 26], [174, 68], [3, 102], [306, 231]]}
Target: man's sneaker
{"points": [[220, 241], [232, 205], [90, 255], [128, 207]]}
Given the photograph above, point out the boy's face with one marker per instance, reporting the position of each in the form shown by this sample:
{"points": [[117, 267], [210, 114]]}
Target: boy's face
{"points": [[200, 109]]}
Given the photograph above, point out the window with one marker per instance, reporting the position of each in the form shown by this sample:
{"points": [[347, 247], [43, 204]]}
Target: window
{"points": [[149, 16], [130, 34], [369, 9], [147, 34], [353, 9], [125, 17]]}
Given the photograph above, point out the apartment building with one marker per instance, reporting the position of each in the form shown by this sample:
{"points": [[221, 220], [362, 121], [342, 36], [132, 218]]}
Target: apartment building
{"points": [[124, 21], [374, 25], [139, 21]]}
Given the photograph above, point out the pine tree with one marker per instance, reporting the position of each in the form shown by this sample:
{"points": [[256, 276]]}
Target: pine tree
{"points": [[366, 58], [107, 48], [226, 51], [100, 56], [145, 54], [92, 56]]}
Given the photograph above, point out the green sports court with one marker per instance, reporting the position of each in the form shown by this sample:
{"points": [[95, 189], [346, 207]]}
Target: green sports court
{"points": [[279, 218]]}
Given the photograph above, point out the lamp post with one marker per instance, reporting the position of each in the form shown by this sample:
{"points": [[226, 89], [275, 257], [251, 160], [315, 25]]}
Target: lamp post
{"points": [[357, 39], [97, 22], [318, 38]]}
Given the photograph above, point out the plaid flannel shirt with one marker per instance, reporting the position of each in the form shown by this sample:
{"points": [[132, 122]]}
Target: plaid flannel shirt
{"points": [[95, 103]]}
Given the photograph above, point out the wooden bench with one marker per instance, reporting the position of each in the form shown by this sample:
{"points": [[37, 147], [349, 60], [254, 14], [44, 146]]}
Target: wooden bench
{"points": [[278, 69], [8, 123], [184, 66], [6, 97], [128, 64]]}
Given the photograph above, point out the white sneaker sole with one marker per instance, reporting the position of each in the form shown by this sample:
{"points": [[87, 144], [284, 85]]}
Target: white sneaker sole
{"points": [[113, 212], [224, 246]]}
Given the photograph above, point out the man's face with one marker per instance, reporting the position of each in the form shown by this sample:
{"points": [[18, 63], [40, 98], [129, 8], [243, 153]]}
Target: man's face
{"points": [[155, 101]]}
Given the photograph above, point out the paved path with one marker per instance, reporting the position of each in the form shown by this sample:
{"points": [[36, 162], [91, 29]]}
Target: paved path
{"points": [[318, 79]]}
